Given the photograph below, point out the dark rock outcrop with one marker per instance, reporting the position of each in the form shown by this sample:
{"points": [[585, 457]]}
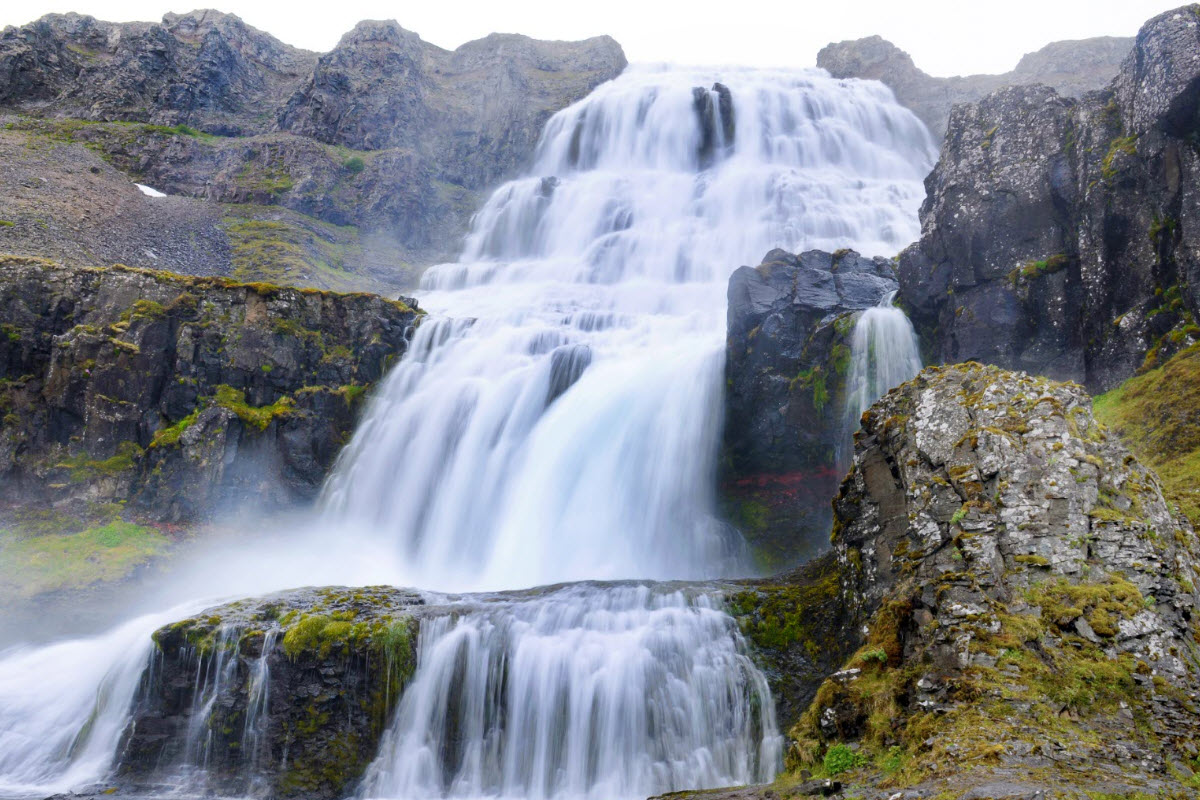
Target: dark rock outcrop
{"points": [[179, 395], [1071, 67], [285, 696], [787, 357], [1057, 235], [386, 133]]}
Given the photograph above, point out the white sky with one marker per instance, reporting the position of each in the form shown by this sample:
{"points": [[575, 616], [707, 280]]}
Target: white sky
{"points": [[945, 37]]}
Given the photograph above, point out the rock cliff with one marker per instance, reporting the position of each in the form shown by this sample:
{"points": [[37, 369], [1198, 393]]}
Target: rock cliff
{"points": [[786, 427], [1057, 234], [1072, 68], [1022, 599], [178, 396], [386, 137]]}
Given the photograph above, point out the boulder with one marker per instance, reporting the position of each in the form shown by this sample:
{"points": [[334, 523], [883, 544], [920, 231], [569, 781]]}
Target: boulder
{"points": [[786, 427]]}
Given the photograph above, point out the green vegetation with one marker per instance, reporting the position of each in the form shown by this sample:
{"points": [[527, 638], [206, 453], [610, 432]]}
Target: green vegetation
{"points": [[1122, 144], [1157, 415], [354, 165], [6, 224], [258, 417], [169, 437], [840, 758], [1038, 269], [82, 468], [33, 560], [291, 253], [777, 616]]}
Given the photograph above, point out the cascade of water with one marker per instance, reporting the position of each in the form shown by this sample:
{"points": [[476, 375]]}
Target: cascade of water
{"points": [[556, 418], [257, 705], [884, 353], [584, 693], [569, 430]]}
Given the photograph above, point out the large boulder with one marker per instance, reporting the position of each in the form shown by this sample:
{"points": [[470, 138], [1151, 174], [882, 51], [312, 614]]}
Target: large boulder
{"points": [[1028, 597], [786, 425], [1057, 235]]}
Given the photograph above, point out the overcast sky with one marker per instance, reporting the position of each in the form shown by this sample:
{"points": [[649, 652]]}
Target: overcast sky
{"points": [[945, 37]]}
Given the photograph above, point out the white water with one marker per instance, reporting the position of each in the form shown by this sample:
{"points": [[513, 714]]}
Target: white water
{"points": [[556, 419], [623, 256], [884, 353], [579, 694]]}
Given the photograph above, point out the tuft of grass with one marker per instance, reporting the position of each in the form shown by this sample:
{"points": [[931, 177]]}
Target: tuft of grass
{"points": [[1157, 415], [258, 417]]}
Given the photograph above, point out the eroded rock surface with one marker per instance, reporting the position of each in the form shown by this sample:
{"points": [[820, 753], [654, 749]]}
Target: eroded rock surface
{"points": [[1057, 234]]}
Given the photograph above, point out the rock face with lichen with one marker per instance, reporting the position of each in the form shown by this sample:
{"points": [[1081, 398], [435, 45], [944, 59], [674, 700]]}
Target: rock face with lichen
{"points": [[1057, 234], [179, 396], [1028, 597], [786, 361], [284, 696]]}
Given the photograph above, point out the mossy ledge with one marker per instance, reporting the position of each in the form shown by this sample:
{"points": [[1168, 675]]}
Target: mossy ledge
{"points": [[175, 395], [341, 655]]}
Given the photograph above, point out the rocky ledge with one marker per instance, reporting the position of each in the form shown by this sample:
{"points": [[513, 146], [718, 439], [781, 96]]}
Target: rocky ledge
{"points": [[1059, 235], [787, 356], [175, 396]]}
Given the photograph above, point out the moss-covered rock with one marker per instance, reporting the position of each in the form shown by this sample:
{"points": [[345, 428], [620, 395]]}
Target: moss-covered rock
{"points": [[286, 695], [179, 394]]}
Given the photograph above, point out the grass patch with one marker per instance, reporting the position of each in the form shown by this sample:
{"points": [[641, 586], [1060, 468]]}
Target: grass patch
{"points": [[31, 565], [287, 253], [258, 417], [1157, 415], [81, 468]]}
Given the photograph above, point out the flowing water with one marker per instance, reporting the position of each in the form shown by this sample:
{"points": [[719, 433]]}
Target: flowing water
{"points": [[884, 353], [557, 419]]}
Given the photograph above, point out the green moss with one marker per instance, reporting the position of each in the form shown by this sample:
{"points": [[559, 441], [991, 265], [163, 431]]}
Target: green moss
{"points": [[1122, 144], [841, 758], [778, 616], [1157, 415], [169, 437], [1037, 269], [290, 253], [258, 417], [81, 468], [33, 564], [6, 224], [354, 165]]}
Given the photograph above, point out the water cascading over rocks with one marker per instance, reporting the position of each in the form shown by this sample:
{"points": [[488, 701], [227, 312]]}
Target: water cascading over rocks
{"points": [[556, 418]]}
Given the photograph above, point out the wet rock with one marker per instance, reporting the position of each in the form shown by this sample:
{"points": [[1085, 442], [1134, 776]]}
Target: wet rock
{"points": [[787, 357]]}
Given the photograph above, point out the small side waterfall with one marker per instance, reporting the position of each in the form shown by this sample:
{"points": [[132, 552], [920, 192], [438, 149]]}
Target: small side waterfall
{"points": [[884, 353], [585, 693]]}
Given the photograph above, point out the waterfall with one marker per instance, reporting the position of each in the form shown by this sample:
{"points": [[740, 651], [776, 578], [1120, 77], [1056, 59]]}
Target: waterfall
{"points": [[584, 693], [883, 354], [566, 426], [556, 418]]}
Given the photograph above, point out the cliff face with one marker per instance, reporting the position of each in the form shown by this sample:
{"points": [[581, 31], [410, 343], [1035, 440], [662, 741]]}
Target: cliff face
{"points": [[1071, 68], [388, 138], [1057, 235], [786, 425], [178, 396]]}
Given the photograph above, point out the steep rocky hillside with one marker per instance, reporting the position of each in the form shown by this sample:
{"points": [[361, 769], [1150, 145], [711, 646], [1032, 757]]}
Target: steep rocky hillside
{"points": [[131, 396], [379, 149], [786, 428], [1072, 68], [1058, 235]]}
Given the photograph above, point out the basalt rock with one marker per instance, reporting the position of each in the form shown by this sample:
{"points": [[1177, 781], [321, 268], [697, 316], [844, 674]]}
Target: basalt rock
{"points": [[179, 395], [787, 358], [1057, 234], [1072, 68]]}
